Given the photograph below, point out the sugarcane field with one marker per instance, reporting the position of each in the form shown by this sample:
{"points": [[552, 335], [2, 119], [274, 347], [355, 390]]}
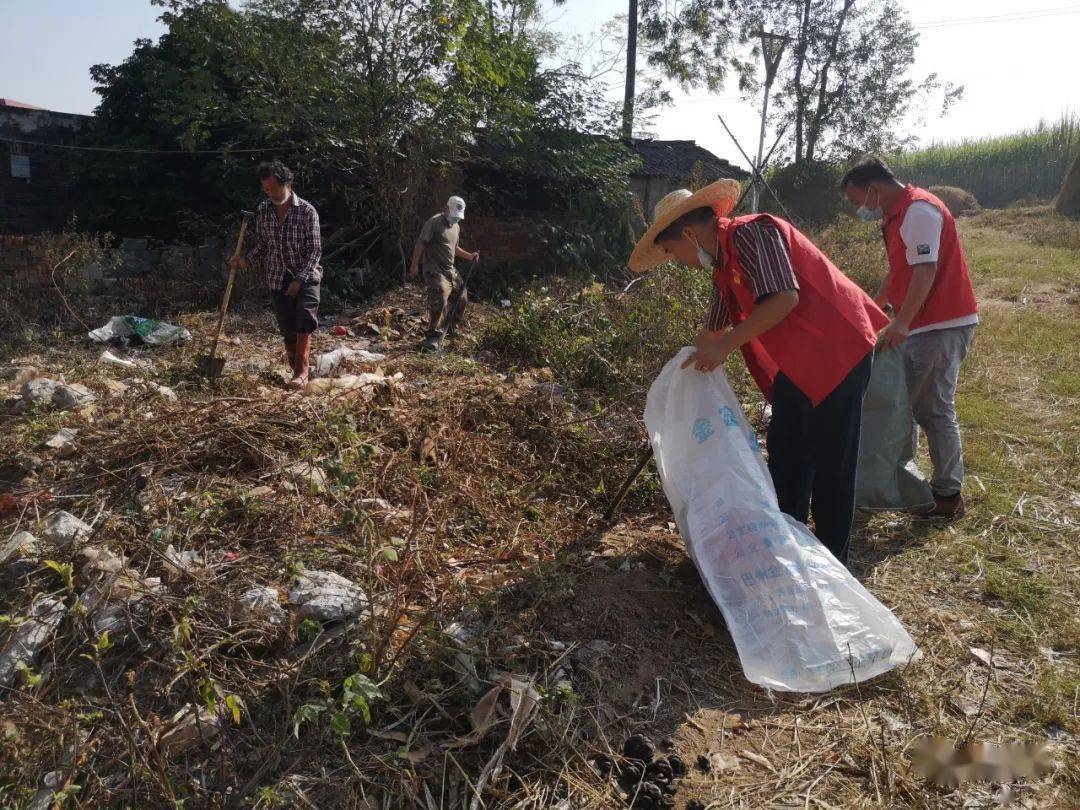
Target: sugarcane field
{"points": [[519, 404]]}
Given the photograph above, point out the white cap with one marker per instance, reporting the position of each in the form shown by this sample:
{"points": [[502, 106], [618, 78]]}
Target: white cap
{"points": [[456, 207]]}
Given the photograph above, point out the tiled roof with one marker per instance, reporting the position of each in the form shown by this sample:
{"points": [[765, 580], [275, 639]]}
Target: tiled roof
{"points": [[10, 102], [679, 160]]}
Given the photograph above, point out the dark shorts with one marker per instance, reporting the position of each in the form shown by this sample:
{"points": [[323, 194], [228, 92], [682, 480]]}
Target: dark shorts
{"points": [[299, 315]]}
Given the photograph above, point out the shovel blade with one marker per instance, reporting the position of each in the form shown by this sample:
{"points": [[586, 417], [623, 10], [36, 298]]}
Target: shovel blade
{"points": [[211, 367]]}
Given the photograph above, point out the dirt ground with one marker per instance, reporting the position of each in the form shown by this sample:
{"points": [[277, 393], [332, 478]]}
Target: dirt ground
{"points": [[466, 499]]}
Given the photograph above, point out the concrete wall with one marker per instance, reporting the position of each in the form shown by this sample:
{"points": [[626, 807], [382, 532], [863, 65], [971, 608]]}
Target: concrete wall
{"points": [[44, 200]]}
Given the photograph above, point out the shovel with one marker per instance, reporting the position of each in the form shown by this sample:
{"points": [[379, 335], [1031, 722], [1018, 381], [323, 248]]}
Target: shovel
{"points": [[211, 365]]}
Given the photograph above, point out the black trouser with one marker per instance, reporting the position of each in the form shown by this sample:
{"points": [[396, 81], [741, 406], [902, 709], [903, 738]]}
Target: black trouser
{"points": [[297, 315], [813, 453]]}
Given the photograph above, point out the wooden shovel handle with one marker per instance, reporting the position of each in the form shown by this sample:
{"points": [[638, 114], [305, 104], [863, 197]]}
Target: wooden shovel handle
{"points": [[228, 290]]}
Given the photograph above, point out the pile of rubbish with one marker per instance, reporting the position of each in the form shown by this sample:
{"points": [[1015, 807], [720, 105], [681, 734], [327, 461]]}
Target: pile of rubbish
{"points": [[131, 330]]}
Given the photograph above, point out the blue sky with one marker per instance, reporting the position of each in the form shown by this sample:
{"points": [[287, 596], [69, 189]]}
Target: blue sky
{"points": [[1015, 71]]}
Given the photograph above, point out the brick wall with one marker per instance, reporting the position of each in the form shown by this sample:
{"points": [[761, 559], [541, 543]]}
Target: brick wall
{"points": [[44, 200], [135, 276], [512, 238]]}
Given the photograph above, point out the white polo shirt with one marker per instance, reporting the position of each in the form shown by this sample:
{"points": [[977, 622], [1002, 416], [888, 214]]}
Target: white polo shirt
{"points": [[921, 232]]}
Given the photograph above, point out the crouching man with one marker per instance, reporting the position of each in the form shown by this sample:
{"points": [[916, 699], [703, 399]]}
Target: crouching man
{"points": [[437, 246], [806, 331], [289, 244], [935, 313]]}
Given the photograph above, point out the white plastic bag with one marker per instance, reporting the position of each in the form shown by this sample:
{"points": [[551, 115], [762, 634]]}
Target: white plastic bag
{"points": [[800, 621], [329, 362]]}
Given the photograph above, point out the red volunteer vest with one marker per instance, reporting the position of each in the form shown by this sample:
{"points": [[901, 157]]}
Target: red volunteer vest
{"points": [[952, 295], [833, 327]]}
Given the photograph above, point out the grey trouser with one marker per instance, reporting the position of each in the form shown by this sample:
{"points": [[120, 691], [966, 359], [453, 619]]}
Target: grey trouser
{"points": [[932, 362], [446, 299]]}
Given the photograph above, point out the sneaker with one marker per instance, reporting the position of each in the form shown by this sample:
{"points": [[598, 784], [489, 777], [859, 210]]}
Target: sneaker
{"points": [[946, 507]]}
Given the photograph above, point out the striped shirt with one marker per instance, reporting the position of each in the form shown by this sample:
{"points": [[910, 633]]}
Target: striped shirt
{"points": [[765, 261], [290, 250]]}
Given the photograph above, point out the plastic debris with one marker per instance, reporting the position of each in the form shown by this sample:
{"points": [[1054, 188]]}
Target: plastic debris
{"points": [[102, 560], [63, 529], [307, 476], [32, 634], [329, 362], [73, 395], [181, 563], [187, 728], [351, 382], [261, 602], [20, 555], [109, 358], [115, 601], [46, 392], [39, 391], [131, 329], [21, 545], [64, 442], [163, 391], [326, 596]]}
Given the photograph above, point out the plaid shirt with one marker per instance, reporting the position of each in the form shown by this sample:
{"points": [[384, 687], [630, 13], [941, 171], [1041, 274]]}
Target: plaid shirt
{"points": [[290, 250], [766, 261]]}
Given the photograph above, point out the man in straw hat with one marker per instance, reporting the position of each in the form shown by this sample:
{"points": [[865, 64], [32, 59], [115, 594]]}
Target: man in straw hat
{"points": [[807, 333], [935, 312]]}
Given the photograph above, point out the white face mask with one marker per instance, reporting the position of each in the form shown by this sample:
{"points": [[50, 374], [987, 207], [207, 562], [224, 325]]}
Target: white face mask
{"points": [[706, 260], [867, 214]]}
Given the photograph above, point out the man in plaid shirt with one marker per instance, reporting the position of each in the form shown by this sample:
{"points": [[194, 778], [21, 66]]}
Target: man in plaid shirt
{"points": [[289, 244]]}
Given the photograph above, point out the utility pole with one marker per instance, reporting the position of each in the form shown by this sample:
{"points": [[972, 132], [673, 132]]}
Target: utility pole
{"points": [[772, 48], [631, 71]]}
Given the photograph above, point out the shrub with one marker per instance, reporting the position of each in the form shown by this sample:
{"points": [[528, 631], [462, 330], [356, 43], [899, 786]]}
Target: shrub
{"points": [[857, 248], [607, 340], [810, 191]]}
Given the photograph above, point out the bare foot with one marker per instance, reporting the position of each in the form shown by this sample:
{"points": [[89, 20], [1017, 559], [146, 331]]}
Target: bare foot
{"points": [[298, 383]]}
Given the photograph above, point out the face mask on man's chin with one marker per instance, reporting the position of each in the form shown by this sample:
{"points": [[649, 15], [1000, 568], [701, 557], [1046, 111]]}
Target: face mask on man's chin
{"points": [[868, 214], [705, 259]]}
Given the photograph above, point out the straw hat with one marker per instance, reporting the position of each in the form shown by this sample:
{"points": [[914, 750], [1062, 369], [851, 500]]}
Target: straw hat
{"points": [[720, 196]]}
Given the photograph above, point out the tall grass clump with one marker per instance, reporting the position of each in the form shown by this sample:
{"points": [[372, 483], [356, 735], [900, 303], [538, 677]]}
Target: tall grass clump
{"points": [[1000, 170]]}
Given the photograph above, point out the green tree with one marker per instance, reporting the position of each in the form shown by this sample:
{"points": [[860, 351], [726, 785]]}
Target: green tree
{"points": [[369, 100], [845, 83]]}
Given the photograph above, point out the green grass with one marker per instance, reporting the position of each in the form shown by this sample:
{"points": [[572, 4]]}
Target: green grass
{"points": [[995, 254], [999, 170]]}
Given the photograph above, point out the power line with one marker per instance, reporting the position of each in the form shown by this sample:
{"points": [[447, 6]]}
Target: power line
{"points": [[1016, 16], [125, 151]]}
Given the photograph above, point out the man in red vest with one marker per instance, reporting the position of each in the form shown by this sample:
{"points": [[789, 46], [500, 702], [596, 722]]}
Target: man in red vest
{"points": [[935, 312], [807, 333]]}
